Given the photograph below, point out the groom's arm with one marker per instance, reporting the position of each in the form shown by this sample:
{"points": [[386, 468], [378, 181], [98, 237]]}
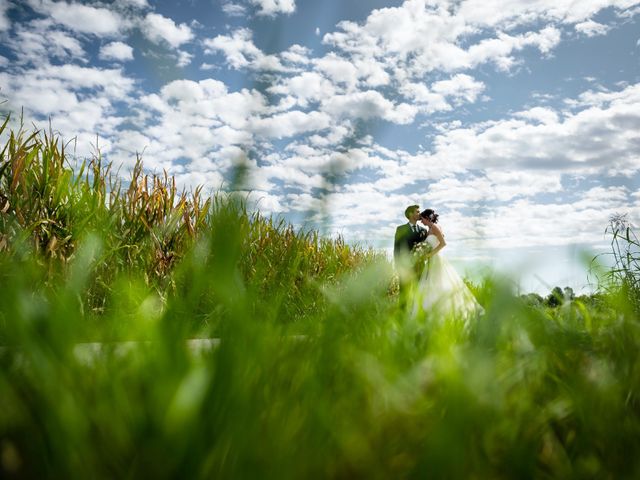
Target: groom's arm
{"points": [[401, 243], [398, 244]]}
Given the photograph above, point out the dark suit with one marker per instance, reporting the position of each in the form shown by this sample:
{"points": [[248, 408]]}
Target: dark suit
{"points": [[406, 239], [404, 242]]}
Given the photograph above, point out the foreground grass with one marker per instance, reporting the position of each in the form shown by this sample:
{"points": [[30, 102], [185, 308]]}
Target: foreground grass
{"points": [[367, 392]]}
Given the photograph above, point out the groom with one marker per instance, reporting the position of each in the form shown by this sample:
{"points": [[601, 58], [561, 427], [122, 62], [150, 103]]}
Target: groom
{"points": [[408, 235]]}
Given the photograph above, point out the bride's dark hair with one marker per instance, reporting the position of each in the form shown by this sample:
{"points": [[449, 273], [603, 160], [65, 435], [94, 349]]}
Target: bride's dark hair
{"points": [[430, 215]]}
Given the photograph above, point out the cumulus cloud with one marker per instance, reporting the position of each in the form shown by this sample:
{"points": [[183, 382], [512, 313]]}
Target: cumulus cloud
{"points": [[160, 29], [540, 114], [61, 45], [369, 104], [274, 7], [134, 3], [601, 137], [5, 24], [591, 28], [338, 69], [574, 221], [296, 54], [184, 58], [197, 126], [428, 101], [421, 36], [513, 13], [238, 48], [52, 89], [41, 40], [116, 51], [495, 185], [427, 36], [499, 50], [306, 87], [291, 123], [459, 87], [81, 18], [234, 9], [240, 51], [80, 101]]}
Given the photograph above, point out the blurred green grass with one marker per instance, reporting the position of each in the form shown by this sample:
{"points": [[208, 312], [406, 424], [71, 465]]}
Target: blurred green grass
{"points": [[318, 373]]}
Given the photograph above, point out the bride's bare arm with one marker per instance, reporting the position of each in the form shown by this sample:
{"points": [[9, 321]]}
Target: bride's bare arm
{"points": [[441, 242]]}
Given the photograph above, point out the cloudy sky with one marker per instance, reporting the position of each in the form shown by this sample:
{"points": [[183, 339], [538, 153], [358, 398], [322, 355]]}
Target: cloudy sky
{"points": [[517, 120]]}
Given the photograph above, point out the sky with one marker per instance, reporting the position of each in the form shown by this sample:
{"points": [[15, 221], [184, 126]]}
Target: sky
{"points": [[517, 120]]}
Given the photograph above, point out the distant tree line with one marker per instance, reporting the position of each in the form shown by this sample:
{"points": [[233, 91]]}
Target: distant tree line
{"points": [[558, 296]]}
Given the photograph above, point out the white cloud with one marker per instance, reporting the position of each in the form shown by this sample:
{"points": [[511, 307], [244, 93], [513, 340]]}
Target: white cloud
{"points": [[338, 69], [296, 54], [428, 101], [421, 36], [459, 87], [369, 104], [499, 50], [81, 18], [518, 12], [5, 23], [290, 123], [234, 9], [188, 91], [240, 51], [628, 95], [135, 3], [207, 66], [274, 7], [578, 221], [236, 48], [307, 87], [372, 73], [265, 202], [496, 185], [201, 124], [159, 29], [601, 137], [116, 51], [64, 46], [132, 141], [184, 58], [540, 114], [591, 28], [52, 89], [80, 101], [39, 40]]}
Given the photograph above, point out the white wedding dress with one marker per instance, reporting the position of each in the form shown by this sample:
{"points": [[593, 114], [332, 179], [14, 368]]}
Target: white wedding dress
{"points": [[441, 292]]}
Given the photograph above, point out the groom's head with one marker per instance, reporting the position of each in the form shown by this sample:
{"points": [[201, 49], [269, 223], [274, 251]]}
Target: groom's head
{"points": [[412, 213]]}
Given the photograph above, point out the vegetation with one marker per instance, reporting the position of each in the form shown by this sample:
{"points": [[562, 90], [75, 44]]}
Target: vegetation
{"points": [[318, 373], [139, 234]]}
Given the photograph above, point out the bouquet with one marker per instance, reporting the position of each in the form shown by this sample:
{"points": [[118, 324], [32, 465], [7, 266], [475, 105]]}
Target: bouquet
{"points": [[419, 254]]}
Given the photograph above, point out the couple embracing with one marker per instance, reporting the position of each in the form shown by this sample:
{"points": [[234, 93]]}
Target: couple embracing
{"points": [[428, 282]]}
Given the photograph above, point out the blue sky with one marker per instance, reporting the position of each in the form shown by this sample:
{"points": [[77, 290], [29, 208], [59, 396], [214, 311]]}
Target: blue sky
{"points": [[517, 120]]}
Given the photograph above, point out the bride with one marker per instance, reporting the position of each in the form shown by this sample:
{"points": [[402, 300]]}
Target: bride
{"points": [[440, 289]]}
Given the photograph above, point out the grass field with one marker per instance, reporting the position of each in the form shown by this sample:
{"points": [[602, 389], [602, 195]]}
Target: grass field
{"points": [[318, 373]]}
